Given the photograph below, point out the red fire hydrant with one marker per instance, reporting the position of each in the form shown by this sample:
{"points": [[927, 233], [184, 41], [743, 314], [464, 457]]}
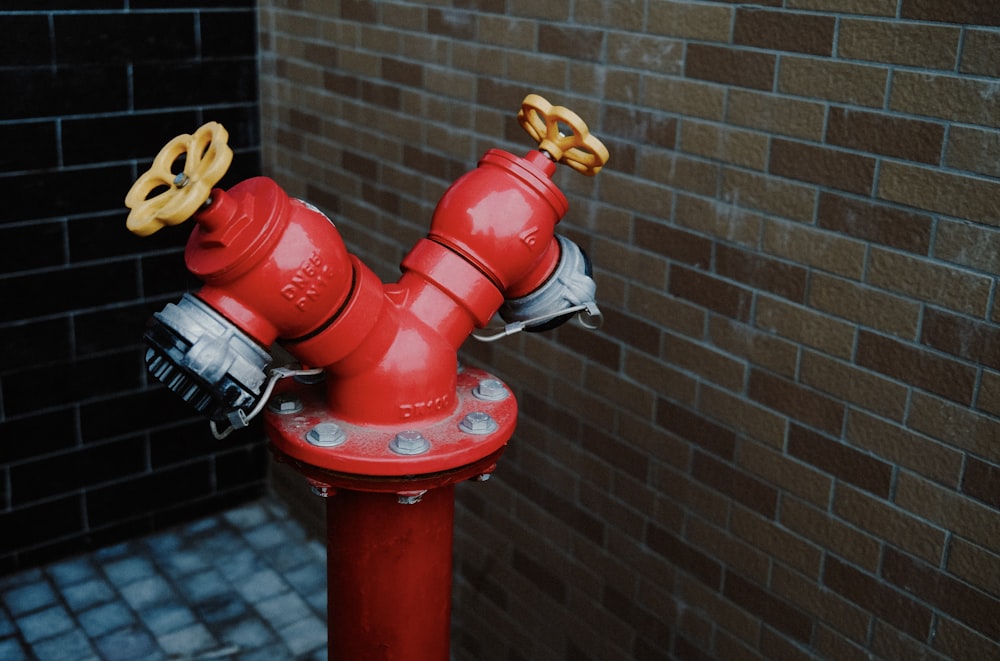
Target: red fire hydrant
{"points": [[380, 416]]}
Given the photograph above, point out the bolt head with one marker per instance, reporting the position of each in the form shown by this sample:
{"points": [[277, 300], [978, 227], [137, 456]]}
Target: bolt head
{"points": [[284, 404], [409, 443], [490, 390], [479, 423], [326, 435]]}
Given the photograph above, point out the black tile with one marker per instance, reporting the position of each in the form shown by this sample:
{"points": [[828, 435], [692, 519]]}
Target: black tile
{"points": [[242, 465], [241, 123], [191, 4], [227, 34], [56, 5], [36, 435], [149, 492], [54, 292], [28, 146], [132, 413], [65, 91], [121, 137], [83, 467], [166, 85], [64, 192], [26, 40], [105, 235], [26, 345], [166, 274], [117, 37], [38, 388], [113, 328], [35, 246], [30, 526], [183, 443]]}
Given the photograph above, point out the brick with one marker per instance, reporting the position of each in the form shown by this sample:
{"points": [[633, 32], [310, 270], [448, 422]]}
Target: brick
{"points": [[875, 222], [867, 591], [710, 365], [955, 98], [973, 149], [683, 555], [786, 473], [720, 611], [688, 20], [956, 641], [982, 481], [718, 219], [891, 524], [695, 428], [736, 484], [962, 602], [859, 387], [988, 398], [949, 510], [636, 265], [975, 565], [580, 44], [640, 126], [769, 194], [805, 326], [675, 244], [761, 349], [684, 97], [776, 542], [904, 447], [868, 7], [896, 42], [979, 12], [710, 292], [958, 195], [735, 146], [731, 551], [981, 53], [956, 425], [775, 611], [784, 31], [818, 165], [828, 606], [680, 171], [772, 113], [823, 250], [921, 279], [620, 14], [506, 32], [761, 272], [746, 417], [864, 305], [840, 460], [668, 312], [796, 401], [837, 538], [888, 135], [890, 643], [960, 336], [730, 66], [912, 365], [843, 82]]}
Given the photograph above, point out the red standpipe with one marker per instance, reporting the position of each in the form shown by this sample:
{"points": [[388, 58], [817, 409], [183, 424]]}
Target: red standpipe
{"points": [[395, 423]]}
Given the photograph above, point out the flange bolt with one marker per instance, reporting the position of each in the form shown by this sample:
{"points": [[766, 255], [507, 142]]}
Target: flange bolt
{"points": [[490, 390], [479, 423], [326, 435], [284, 404], [409, 443]]}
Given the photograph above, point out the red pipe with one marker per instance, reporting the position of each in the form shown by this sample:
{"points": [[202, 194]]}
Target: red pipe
{"points": [[389, 576]]}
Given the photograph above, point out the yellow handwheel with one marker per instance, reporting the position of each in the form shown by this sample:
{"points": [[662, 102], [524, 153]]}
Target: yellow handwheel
{"points": [[206, 160], [578, 149]]}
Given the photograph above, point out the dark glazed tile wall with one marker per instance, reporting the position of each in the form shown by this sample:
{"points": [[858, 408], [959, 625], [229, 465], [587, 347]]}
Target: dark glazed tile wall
{"points": [[91, 451]]}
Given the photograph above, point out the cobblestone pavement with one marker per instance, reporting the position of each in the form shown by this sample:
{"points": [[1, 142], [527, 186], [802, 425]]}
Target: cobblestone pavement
{"points": [[243, 585]]}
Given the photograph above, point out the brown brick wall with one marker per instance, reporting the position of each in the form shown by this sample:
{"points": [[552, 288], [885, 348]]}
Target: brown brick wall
{"points": [[785, 442]]}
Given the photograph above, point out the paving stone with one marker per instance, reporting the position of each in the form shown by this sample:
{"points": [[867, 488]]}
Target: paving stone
{"points": [[124, 571], [167, 618], [221, 608], [305, 635], [82, 596], [30, 597], [248, 516], [202, 586], [11, 650], [283, 609], [131, 644], [105, 619], [70, 645], [275, 652], [45, 623], [188, 641], [247, 633], [148, 592], [71, 572], [267, 536], [261, 585], [6, 624], [239, 564], [307, 579], [182, 562]]}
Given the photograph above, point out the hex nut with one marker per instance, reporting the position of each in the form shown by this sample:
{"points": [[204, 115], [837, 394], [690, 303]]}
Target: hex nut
{"points": [[479, 423], [326, 435], [490, 390], [284, 404], [409, 443]]}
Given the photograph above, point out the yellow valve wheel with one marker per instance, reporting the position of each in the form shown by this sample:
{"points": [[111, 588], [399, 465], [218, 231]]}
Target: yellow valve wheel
{"points": [[162, 197], [578, 148]]}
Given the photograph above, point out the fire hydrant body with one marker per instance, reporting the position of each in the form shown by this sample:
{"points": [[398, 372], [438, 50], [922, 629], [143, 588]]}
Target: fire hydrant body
{"points": [[382, 419]]}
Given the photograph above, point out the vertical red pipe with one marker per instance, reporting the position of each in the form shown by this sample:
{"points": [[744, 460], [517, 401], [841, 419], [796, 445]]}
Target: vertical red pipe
{"points": [[389, 576]]}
